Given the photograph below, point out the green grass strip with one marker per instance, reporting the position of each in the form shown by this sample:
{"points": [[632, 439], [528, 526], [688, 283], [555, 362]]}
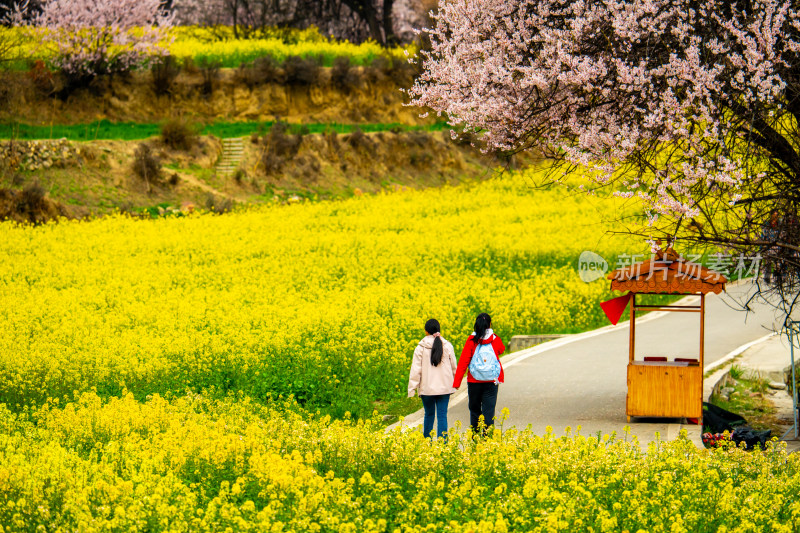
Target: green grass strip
{"points": [[129, 131]]}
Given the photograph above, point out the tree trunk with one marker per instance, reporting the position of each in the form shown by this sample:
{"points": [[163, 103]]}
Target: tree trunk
{"points": [[366, 10], [388, 23], [235, 14]]}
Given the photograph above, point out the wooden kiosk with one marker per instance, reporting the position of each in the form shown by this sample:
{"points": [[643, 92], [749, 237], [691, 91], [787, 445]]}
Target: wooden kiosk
{"points": [[658, 386]]}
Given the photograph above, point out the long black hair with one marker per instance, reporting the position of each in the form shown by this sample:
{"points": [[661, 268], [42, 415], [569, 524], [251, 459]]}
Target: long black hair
{"points": [[431, 327], [482, 323]]}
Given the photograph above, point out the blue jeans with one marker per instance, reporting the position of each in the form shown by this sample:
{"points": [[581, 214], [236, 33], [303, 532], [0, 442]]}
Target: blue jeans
{"points": [[436, 404]]}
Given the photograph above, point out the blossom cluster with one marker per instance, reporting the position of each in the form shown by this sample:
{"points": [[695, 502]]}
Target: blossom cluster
{"points": [[87, 38], [673, 101]]}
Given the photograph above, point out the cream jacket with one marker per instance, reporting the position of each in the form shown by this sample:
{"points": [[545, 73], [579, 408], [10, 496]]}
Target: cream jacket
{"points": [[429, 380]]}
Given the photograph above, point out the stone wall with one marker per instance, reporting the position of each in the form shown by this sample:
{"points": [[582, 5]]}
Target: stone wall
{"points": [[520, 342]]}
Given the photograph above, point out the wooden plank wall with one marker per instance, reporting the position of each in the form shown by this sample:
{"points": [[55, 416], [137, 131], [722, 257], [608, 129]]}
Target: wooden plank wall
{"points": [[665, 391]]}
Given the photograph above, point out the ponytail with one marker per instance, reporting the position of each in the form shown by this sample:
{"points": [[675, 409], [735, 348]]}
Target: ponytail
{"points": [[482, 323], [432, 328]]}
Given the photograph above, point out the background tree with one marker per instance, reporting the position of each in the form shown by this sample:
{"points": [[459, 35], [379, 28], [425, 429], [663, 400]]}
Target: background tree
{"points": [[410, 16], [248, 18], [355, 20], [13, 12], [689, 106], [93, 38], [377, 14], [6, 8], [10, 41]]}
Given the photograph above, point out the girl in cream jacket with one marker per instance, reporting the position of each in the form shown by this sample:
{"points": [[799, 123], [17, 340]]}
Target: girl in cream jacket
{"points": [[433, 369]]}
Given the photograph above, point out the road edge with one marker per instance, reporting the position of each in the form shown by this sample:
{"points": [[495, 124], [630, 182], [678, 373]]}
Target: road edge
{"points": [[415, 419], [693, 431]]}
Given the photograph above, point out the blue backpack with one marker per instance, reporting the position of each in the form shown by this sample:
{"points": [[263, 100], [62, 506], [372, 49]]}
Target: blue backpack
{"points": [[484, 365]]}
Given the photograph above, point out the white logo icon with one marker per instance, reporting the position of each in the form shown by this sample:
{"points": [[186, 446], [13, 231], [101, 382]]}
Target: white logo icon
{"points": [[591, 266]]}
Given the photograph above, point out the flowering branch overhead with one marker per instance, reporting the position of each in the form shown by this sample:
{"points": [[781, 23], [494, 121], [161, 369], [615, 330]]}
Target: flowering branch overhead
{"points": [[675, 88], [691, 106]]}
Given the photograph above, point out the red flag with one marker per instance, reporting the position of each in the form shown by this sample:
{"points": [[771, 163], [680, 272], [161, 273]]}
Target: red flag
{"points": [[614, 307]]}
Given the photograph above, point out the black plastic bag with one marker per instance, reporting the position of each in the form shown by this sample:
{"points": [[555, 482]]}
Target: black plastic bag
{"points": [[717, 419], [751, 437]]}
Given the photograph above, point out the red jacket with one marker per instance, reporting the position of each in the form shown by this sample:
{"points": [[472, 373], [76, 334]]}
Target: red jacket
{"points": [[466, 357]]}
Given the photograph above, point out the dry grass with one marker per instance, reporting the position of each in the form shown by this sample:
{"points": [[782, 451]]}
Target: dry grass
{"points": [[251, 93], [320, 166], [750, 398]]}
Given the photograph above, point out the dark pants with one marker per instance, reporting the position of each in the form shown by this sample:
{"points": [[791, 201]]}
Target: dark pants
{"points": [[436, 404], [482, 401]]}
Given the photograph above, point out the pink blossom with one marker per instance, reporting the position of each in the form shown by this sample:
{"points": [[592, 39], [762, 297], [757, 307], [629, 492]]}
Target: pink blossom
{"points": [[677, 92], [94, 37]]}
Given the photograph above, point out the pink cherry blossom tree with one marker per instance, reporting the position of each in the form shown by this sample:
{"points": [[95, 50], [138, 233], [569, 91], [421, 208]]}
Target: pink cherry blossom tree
{"points": [[691, 106], [95, 37]]}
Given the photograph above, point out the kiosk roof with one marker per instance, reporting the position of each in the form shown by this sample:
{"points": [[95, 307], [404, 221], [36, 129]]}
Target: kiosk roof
{"points": [[667, 272]]}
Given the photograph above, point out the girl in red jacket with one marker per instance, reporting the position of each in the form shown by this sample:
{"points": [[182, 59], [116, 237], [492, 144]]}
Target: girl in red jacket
{"points": [[481, 356]]}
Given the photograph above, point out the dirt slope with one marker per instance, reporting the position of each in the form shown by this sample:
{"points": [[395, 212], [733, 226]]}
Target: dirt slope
{"points": [[366, 98], [98, 177]]}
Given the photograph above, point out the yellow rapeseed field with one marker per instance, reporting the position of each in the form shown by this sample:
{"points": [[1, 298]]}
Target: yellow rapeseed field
{"points": [[192, 464], [219, 46], [141, 363], [324, 301]]}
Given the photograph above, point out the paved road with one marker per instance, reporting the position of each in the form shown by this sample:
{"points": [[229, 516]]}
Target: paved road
{"points": [[582, 380]]}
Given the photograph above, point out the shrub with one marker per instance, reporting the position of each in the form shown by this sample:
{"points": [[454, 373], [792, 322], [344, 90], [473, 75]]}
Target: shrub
{"points": [[301, 71], [281, 147], [239, 176], [331, 136], [419, 138], [402, 73], [272, 163], [263, 70], [283, 143], [32, 198], [218, 204], [420, 158], [178, 134], [30, 205], [190, 65], [358, 140], [42, 78], [344, 76], [268, 70], [164, 71], [379, 70], [10, 88], [210, 71], [147, 165], [246, 75], [17, 179]]}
